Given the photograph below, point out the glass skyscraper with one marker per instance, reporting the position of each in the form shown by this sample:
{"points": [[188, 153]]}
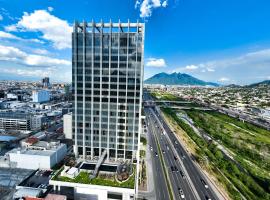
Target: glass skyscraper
{"points": [[107, 82]]}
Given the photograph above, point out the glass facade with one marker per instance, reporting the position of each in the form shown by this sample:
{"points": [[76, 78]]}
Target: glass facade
{"points": [[107, 74]]}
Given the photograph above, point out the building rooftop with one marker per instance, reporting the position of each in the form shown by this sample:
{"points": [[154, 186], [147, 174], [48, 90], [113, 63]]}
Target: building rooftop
{"points": [[55, 197], [40, 148], [7, 138], [10, 177], [15, 115], [27, 192]]}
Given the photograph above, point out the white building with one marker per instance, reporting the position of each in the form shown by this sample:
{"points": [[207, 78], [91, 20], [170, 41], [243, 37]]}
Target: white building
{"points": [[39, 96], [12, 96], [41, 155], [36, 122], [68, 125], [98, 192]]}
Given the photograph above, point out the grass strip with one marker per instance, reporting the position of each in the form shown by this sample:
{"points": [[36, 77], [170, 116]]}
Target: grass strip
{"points": [[242, 181]]}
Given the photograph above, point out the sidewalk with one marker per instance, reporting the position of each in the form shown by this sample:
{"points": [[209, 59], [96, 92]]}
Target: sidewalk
{"points": [[150, 193]]}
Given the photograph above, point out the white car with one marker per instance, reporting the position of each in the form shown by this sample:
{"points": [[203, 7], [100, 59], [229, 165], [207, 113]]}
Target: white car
{"points": [[181, 193], [204, 183]]}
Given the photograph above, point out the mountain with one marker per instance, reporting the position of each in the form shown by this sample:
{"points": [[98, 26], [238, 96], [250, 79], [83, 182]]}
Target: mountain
{"points": [[266, 82], [177, 79], [232, 86]]}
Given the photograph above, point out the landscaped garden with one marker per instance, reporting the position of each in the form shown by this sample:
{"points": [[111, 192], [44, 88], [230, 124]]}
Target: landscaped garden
{"points": [[101, 179]]}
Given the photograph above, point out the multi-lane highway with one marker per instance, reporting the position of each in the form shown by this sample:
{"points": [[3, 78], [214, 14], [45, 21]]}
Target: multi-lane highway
{"points": [[176, 174], [161, 189], [186, 180]]}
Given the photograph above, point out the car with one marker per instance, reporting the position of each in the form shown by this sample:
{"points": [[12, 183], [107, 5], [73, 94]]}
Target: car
{"points": [[182, 174], [163, 151], [181, 193], [168, 147], [176, 169], [172, 168], [175, 142], [175, 158], [207, 198], [204, 183], [182, 155], [156, 154]]}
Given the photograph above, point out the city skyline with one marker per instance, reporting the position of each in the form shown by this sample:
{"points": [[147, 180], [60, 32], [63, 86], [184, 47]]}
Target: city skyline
{"points": [[211, 41], [134, 99]]}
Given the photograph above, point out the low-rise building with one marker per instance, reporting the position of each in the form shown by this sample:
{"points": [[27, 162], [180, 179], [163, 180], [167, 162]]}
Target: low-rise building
{"points": [[37, 122], [20, 121], [39, 155], [15, 121], [39, 96]]}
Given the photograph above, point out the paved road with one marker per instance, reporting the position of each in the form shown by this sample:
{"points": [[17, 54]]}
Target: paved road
{"points": [[194, 173], [178, 181], [161, 189], [203, 189]]}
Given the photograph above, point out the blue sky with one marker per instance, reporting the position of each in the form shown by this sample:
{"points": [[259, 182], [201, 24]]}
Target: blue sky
{"points": [[225, 41]]}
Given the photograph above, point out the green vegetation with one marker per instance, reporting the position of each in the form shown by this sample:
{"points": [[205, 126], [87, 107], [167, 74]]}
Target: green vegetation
{"points": [[143, 140], [165, 96], [142, 153], [244, 139], [250, 143], [83, 178], [252, 184]]}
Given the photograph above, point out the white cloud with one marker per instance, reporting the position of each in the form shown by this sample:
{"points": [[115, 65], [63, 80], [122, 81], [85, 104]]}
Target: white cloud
{"points": [[11, 28], [38, 60], [187, 69], [145, 9], [8, 35], [224, 79], [241, 69], [8, 53], [210, 69], [257, 58], [156, 3], [147, 6], [35, 40], [50, 9], [155, 62], [191, 67], [30, 72], [53, 29], [11, 36], [11, 53], [137, 4], [1, 17], [41, 51], [165, 4]]}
